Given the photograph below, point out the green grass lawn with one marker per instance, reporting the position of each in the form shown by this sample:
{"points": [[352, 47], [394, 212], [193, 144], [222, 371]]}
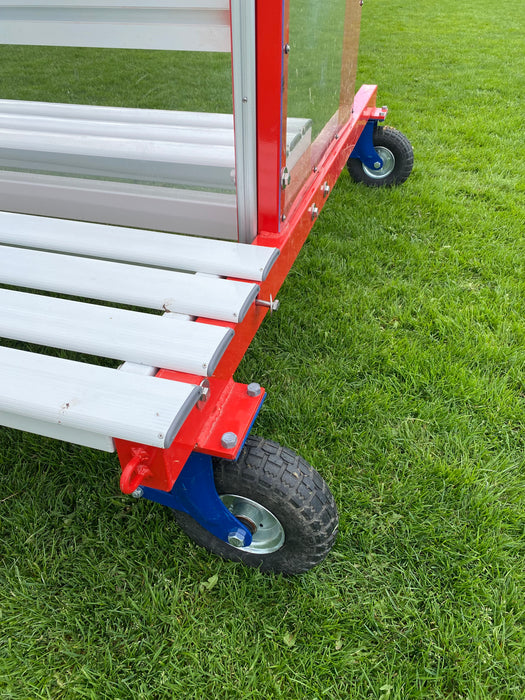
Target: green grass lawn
{"points": [[396, 366]]}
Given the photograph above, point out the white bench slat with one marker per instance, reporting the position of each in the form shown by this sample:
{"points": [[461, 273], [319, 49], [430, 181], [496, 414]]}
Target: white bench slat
{"points": [[196, 212], [191, 25], [139, 131], [100, 400], [59, 432], [120, 334], [139, 246], [191, 164], [121, 115], [225, 300]]}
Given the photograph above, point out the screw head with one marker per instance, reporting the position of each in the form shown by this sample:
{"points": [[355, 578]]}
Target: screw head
{"points": [[377, 165], [286, 178], [237, 538], [314, 210], [253, 389], [138, 492], [287, 48], [228, 440]]}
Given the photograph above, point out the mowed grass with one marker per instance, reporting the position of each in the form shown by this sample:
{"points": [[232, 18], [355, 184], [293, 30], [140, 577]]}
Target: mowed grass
{"points": [[396, 365]]}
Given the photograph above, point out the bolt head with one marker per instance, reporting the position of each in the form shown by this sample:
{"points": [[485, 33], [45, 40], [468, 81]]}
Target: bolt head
{"points": [[138, 492], [237, 538], [228, 440], [254, 389], [377, 165]]}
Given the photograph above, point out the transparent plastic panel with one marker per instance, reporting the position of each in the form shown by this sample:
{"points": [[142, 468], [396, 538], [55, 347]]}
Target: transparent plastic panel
{"points": [[149, 147], [324, 41]]}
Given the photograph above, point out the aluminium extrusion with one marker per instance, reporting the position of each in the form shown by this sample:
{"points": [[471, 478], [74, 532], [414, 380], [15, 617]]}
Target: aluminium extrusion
{"points": [[93, 398], [131, 245], [220, 299]]}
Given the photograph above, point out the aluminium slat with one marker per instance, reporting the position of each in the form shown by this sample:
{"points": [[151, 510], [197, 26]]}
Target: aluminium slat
{"points": [[136, 131], [198, 213], [114, 333], [59, 432], [223, 258], [97, 399], [128, 115], [190, 164], [225, 300], [160, 24]]}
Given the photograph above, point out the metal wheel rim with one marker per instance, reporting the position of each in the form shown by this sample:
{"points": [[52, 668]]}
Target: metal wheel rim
{"points": [[389, 163], [267, 531]]}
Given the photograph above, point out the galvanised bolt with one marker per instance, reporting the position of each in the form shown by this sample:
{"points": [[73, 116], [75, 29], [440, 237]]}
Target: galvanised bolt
{"points": [[287, 48], [325, 189], [229, 440], [377, 165], [253, 389], [138, 492], [315, 211], [237, 538]]}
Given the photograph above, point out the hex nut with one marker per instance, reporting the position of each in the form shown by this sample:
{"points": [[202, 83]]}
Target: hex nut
{"points": [[228, 440], [237, 538], [253, 389]]}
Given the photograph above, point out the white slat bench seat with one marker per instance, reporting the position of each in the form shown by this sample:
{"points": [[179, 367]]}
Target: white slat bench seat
{"points": [[130, 336], [179, 275], [173, 251], [88, 400]]}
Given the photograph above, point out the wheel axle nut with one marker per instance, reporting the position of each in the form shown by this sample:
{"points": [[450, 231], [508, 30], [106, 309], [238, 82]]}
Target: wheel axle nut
{"points": [[237, 538], [254, 389], [377, 165], [228, 440], [138, 492]]}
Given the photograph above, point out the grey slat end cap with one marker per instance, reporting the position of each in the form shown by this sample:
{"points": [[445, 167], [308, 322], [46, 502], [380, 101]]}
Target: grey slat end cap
{"points": [[181, 416], [251, 297], [219, 352], [270, 263]]}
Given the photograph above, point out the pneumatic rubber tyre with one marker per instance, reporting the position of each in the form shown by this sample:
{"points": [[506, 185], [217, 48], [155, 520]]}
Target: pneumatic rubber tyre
{"points": [[397, 156], [283, 501]]}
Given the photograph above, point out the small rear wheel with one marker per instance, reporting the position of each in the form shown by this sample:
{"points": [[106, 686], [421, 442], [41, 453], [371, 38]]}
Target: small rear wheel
{"points": [[397, 155], [282, 500]]}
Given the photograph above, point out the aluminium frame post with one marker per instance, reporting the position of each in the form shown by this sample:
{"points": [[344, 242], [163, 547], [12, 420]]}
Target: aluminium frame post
{"points": [[244, 112]]}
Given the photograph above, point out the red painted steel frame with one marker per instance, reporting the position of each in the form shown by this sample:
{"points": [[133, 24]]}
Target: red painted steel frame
{"points": [[229, 408]]}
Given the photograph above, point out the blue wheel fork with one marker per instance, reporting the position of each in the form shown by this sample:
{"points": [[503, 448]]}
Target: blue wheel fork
{"points": [[364, 149], [194, 493]]}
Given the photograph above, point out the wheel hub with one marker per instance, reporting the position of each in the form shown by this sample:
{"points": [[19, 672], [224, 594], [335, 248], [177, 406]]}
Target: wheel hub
{"points": [[267, 532], [389, 163]]}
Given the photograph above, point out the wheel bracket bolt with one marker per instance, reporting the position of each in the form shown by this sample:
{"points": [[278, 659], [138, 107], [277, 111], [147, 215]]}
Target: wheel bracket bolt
{"points": [[237, 538]]}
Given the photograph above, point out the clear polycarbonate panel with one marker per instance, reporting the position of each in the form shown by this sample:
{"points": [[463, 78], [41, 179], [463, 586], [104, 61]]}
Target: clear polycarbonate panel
{"points": [[121, 145], [167, 129], [324, 42]]}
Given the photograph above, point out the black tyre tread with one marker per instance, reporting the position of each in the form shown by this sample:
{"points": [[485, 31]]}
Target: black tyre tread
{"points": [[400, 146], [290, 488]]}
